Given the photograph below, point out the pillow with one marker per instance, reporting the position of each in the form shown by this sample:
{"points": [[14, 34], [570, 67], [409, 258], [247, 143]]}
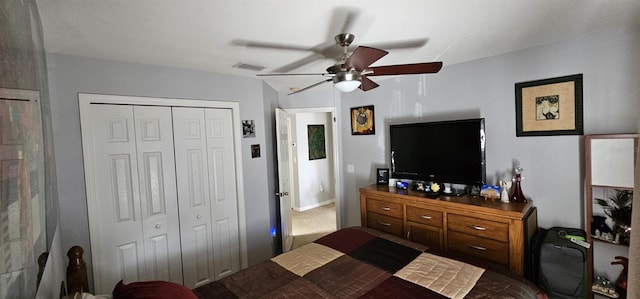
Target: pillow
{"points": [[152, 290]]}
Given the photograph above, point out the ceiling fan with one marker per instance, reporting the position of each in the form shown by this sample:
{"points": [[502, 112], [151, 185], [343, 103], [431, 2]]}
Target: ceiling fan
{"points": [[352, 71]]}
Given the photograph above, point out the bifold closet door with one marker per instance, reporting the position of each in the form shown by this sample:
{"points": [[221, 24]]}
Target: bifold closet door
{"points": [[133, 206], [207, 194]]}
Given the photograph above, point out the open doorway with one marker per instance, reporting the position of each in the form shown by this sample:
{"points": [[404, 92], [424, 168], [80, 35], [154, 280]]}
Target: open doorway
{"points": [[313, 174]]}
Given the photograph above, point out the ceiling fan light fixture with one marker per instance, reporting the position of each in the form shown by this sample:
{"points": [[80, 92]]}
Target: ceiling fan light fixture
{"points": [[346, 81]]}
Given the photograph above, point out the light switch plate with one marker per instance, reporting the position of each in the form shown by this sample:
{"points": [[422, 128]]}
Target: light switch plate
{"points": [[351, 168]]}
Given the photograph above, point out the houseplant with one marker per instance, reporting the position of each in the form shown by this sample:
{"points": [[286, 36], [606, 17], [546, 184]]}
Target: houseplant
{"points": [[618, 207]]}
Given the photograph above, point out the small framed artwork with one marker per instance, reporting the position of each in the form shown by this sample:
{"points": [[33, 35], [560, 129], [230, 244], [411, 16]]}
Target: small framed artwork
{"points": [[255, 151], [362, 121], [382, 177], [549, 107], [248, 128]]}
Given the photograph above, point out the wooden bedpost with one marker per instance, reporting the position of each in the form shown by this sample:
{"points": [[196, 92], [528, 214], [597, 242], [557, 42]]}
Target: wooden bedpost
{"points": [[77, 281]]}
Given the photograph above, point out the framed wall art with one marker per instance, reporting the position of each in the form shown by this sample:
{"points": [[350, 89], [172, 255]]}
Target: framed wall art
{"points": [[549, 107], [315, 134], [248, 128], [255, 151], [362, 121]]}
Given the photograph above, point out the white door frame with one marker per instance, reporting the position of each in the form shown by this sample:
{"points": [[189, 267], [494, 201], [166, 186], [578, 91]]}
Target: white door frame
{"points": [[86, 99], [336, 153]]}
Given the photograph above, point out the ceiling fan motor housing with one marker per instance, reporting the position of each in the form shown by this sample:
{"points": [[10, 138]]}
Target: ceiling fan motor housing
{"points": [[344, 39], [346, 76]]}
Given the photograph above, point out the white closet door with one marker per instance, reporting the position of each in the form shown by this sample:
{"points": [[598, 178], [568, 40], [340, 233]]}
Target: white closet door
{"points": [[134, 228], [223, 194], [207, 197], [116, 226], [158, 197]]}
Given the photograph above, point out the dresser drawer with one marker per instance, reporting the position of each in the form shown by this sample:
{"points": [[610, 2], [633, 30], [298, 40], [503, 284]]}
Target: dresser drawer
{"points": [[478, 227], [385, 223], [424, 216], [483, 248], [385, 208], [426, 235]]}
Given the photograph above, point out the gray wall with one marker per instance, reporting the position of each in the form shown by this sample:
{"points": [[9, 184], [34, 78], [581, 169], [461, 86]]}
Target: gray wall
{"points": [[553, 165], [70, 75]]}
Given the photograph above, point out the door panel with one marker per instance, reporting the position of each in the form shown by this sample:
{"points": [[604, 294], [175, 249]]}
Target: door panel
{"points": [[282, 141], [193, 188], [158, 197], [222, 182], [116, 204]]}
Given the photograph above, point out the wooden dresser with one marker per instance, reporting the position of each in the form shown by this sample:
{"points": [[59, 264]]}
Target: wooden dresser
{"points": [[490, 230]]}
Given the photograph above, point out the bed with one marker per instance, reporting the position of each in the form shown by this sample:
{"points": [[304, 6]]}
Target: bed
{"points": [[360, 262]]}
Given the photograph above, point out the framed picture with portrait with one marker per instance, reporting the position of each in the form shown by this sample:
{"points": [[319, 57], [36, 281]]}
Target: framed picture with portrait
{"points": [[362, 122], [549, 107]]}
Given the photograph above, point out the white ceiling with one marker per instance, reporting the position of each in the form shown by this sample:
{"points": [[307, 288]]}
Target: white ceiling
{"points": [[213, 35]]}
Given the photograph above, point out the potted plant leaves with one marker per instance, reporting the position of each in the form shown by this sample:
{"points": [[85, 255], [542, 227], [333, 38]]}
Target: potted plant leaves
{"points": [[618, 207]]}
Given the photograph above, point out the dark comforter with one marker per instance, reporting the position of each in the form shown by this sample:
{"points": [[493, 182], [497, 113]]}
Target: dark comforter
{"points": [[362, 263]]}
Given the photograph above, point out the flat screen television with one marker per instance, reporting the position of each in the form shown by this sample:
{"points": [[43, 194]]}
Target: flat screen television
{"points": [[444, 151]]}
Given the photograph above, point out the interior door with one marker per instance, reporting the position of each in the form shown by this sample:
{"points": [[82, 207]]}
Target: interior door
{"points": [[284, 178], [207, 195], [158, 198], [222, 191], [193, 188], [133, 210]]}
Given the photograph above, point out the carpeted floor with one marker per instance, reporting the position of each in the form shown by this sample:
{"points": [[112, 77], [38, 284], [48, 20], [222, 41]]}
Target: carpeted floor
{"points": [[312, 224]]}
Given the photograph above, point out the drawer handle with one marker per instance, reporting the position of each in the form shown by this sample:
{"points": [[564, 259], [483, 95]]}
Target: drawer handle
{"points": [[425, 217], [478, 247], [476, 227], [385, 208], [384, 223]]}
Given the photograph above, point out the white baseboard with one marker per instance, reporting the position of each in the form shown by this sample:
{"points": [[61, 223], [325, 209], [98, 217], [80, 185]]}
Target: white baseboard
{"points": [[315, 205]]}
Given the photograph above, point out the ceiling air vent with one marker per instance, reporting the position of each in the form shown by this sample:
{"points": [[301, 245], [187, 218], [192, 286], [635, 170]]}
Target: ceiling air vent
{"points": [[251, 67]]}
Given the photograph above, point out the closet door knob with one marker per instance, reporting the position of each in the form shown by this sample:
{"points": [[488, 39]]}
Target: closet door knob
{"points": [[157, 225], [198, 216]]}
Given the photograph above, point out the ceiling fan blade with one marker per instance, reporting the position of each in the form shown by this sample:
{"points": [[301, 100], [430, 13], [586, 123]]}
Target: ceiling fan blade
{"points": [[406, 69], [310, 86], [406, 44], [299, 63], [298, 74], [268, 45], [326, 50], [342, 21], [367, 84], [363, 57]]}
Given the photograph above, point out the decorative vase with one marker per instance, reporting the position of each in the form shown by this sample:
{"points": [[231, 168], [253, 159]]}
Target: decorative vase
{"points": [[517, 195]]}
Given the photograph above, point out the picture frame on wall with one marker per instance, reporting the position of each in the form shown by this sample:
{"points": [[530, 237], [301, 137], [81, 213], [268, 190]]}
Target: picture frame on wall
{"points": [[362, 122], [316, 137], [549, 107]]}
